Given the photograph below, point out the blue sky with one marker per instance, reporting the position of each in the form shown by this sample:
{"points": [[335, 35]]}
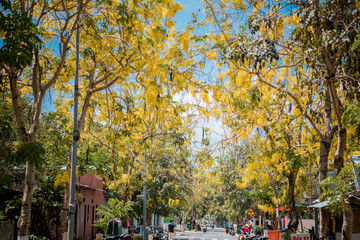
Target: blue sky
{"points": [[181, 19], [184, 16]]}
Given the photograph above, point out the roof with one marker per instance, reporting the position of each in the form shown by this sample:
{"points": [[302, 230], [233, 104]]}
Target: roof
{"points": [[89, 187], [355, 193], [354, 198], [356, 160], [319, 204]]}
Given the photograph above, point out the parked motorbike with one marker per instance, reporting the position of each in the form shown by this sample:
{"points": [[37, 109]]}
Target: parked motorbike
{"points": [[198, 227], [230, 230], [137, 230], [126, 236], [247, 236], [159, 234], [114, 231], [120, 237], [204, 229]]}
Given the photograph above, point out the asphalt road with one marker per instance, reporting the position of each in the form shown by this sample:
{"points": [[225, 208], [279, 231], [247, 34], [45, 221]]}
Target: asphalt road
{"points": [[211, 234]]}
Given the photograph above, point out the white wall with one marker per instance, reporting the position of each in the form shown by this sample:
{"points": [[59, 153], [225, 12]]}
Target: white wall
{"points": [[355, 236], [307, 223]]}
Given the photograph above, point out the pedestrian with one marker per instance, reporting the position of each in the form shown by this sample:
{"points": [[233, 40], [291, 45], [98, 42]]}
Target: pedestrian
{"points": [[171, 230]]}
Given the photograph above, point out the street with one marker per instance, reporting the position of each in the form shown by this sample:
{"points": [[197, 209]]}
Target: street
{"points": [[211, 234]]}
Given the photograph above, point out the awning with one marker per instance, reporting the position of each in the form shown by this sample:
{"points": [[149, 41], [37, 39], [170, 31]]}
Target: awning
{"points": [[319, 205], [356, 160]]}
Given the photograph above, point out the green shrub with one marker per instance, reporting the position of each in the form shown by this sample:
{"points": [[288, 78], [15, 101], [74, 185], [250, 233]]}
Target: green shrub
{"points": [[258, 230], [33, 237], [99, 237], [287, 235], [138, 237]]}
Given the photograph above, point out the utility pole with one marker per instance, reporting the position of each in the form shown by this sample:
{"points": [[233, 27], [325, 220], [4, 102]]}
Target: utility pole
{"points": [[76, 135], [144, 200]]}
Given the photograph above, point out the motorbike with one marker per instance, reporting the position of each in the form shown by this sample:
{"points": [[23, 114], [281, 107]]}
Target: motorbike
{"points": [[114, 231], [204, 229], [247, 236], [137, 230], [230, 230], [126, 236], [158, 234], [120, 237], [198, 227]]}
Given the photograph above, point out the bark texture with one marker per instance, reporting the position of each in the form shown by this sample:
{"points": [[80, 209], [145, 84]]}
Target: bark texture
{"points": [[64, 213], [293, 218], [325, 145], [347, 227], [340, 151], [24, 221], [324, 228]]}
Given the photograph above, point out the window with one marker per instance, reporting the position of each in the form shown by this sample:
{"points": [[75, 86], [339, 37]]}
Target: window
{"points": [[82, 213], [89, 214], [97, 216]]}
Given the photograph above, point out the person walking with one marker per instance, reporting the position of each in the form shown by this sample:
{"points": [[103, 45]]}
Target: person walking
{"points": [[171, 230]]}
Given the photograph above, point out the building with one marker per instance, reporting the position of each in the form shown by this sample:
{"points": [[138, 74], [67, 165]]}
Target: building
{"points": [[90, 195]]}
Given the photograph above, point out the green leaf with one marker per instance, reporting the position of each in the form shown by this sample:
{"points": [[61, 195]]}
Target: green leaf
{"points": [[32, 152]]}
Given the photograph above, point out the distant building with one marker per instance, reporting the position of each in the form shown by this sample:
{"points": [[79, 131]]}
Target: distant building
{"points": [[91, 189]]}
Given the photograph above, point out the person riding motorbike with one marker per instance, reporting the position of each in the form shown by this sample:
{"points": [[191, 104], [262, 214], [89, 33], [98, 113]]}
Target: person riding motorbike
{"points": [[244, 230]]}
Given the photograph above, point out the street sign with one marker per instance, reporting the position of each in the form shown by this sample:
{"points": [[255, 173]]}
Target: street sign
{"points": [[250, 212]]}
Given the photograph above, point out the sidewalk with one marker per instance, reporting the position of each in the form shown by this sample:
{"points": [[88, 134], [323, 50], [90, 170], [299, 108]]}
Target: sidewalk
{"points": [[184, 233]]}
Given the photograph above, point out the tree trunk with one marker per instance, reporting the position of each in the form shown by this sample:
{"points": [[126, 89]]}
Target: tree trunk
{"points": [[273, 184], [64, 213], [301, 224], [24, 221], [263, 218], [23, 224], [323, 169], [325, 146], [340, 151], [341, 146], [347, 227], [293, 221], [148, 217]]}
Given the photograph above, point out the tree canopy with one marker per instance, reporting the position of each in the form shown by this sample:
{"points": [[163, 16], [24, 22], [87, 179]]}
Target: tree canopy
{"points": [[280, 77]]}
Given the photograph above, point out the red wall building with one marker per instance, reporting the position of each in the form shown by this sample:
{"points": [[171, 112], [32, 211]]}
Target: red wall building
{"points": [[91, 190]]}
